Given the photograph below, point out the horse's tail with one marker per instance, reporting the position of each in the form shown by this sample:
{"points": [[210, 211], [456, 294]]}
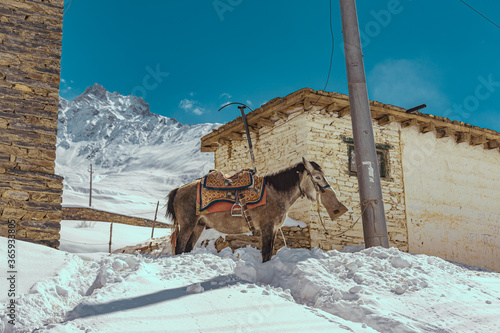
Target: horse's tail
{"points": [[170, 205], [171, 213]]}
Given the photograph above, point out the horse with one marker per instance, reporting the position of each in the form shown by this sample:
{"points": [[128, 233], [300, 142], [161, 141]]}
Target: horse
{"points": [[305, 179]]}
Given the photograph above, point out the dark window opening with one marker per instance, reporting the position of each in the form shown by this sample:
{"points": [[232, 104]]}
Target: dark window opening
{"points": [[382, 157]]}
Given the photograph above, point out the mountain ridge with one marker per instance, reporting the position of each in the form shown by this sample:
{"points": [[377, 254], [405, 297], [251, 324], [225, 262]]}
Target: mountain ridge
{"points": [[134, 152]]}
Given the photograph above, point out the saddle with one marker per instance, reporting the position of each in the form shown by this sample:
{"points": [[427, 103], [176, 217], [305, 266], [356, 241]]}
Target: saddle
{"points": [[218, 193], [216, 180]]}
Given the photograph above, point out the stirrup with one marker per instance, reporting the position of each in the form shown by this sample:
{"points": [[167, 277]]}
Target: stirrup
{"points": [[236, 213]]}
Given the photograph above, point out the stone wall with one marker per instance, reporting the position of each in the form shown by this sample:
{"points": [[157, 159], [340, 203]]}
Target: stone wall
{"points": [[295, 237], [452, 194], [321, 137], [328, 142], [30, 53], [89, 214]]}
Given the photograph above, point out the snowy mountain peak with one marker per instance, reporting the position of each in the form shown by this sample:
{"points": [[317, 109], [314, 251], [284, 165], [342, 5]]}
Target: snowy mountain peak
{"points": [[97, 90], [107, 124], [98, 97], [125, 142]]}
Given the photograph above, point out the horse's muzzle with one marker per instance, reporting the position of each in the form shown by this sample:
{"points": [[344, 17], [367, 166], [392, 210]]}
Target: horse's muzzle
{"points": [[334, 207]]}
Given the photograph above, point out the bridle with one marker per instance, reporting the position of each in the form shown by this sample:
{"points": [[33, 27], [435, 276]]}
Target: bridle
{"points": [[317, 186], [319, 189]]}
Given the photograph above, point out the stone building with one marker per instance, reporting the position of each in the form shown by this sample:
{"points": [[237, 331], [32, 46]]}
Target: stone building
{"points": [[30, 54], [440, 178]]}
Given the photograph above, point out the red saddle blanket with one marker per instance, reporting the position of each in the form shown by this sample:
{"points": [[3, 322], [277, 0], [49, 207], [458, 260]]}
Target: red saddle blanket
{"points": [[210, 200]]}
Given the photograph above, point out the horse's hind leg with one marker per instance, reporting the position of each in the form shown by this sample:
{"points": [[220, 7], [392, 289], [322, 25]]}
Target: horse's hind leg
{"points": [[195, 235], [185, 233]]}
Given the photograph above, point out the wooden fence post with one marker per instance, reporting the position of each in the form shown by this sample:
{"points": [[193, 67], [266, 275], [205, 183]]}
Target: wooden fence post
{"points": [[154, 222], [110, 235]]}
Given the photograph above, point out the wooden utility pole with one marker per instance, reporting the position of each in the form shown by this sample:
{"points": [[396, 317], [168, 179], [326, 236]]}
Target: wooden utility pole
{"points": [[90, 192], [154, 222], [370, 190]]}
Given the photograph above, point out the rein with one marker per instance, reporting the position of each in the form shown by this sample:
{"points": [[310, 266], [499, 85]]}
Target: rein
{"points": [[321, 189], [366, 202]]}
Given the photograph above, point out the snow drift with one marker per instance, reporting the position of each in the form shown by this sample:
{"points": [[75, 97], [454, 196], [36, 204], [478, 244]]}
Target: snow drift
{"points": [[373, 290]]}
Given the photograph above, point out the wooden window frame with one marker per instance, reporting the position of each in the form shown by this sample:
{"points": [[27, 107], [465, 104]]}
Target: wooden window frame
{"points": [[382, 151]]}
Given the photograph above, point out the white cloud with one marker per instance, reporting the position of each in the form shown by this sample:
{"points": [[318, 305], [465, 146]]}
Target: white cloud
{"points": [[186, 104], [249, 102], [191, 106], [407, 83], [225, 95], [198, 111], [64, 87]]}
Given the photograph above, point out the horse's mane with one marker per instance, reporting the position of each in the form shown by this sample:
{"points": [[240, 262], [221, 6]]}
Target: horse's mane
{"points": [[287, 179]]}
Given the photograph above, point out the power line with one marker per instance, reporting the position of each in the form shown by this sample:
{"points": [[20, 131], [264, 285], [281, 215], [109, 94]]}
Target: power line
{"points": [[331, 57], [333, 43], [465, 3], [64, 12]]}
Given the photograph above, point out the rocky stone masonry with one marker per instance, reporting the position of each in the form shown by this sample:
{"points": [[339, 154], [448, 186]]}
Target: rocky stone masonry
{"points": [[295, 237], [30, 53], [89, 214], [327, 145], [321, 138]]}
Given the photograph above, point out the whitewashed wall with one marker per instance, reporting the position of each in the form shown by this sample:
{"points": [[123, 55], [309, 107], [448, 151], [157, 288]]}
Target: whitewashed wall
{"points": [[453, 198]]}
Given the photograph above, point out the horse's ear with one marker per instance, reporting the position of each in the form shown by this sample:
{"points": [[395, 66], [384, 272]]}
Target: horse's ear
{"points": [[308, 165]]}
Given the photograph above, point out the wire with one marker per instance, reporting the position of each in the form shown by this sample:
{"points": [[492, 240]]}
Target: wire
{"points": [[326, 83], [333, 44], [66, 240], [64, 12], [465, 3], [331, 57]]}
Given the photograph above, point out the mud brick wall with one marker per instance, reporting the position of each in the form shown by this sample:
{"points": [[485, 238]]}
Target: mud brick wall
{"points": [[88, 214], [30, 53]]}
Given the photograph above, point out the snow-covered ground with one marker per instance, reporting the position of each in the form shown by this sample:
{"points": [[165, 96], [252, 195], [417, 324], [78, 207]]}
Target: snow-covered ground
{"points": [[88, 236], [371, 290]]}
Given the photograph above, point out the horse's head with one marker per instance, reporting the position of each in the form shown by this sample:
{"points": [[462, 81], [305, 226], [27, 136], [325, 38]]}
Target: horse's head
{"points": [[314, 184]]}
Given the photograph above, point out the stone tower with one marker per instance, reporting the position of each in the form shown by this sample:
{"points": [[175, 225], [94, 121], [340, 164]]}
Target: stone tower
{"points": [[30, 54]]}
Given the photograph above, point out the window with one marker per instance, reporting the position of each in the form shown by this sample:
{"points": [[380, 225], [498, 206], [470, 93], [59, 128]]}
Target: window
{"points": [[382, 157]]}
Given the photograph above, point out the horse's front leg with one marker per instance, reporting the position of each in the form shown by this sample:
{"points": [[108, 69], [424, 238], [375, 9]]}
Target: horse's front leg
{"points": [[268, 235]]}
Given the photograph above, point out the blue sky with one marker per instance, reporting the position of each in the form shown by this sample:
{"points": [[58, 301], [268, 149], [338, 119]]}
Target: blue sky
{"points": [[187, 58]]}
